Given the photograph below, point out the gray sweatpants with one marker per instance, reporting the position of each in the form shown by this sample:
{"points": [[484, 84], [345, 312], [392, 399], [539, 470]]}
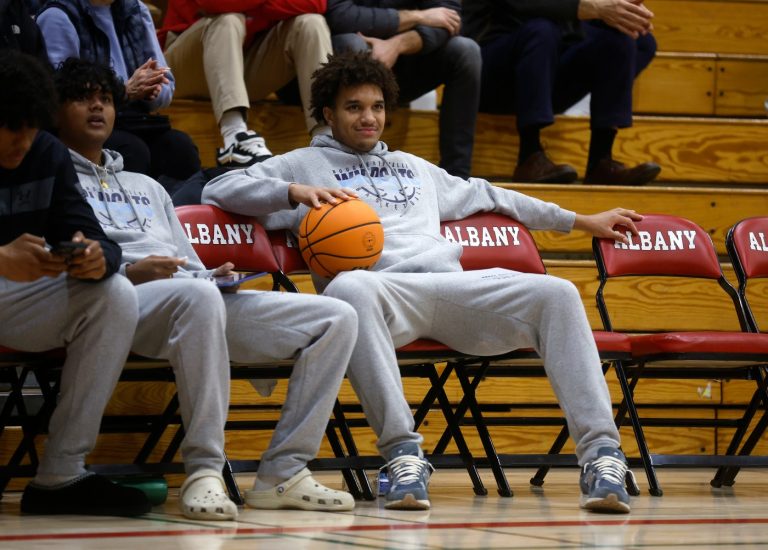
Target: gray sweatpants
{"points": [[187, 322], [319, 333], [95, 321], [184, 321], [478, 312]]}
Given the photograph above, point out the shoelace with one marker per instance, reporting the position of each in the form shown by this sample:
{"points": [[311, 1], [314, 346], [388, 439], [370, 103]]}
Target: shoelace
{"points": [[255, 145], [406, 469], [611, 469]]}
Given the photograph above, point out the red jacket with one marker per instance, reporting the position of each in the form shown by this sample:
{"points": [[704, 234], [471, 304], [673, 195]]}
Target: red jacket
{"points": [[260, 14]]}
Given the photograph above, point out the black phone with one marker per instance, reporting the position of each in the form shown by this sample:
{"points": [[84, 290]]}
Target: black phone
{"points": [[67, 249]]}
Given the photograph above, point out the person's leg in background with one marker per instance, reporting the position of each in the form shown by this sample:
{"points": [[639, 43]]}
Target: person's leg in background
{"points": [[457, 66], [605, 64], [518, 76]]}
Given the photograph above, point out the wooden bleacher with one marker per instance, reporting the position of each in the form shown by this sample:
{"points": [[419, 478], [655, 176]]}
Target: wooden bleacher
{"points": [[700, 116]]}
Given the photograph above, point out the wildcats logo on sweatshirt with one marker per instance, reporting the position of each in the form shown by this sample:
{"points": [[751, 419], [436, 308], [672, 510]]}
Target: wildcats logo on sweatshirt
{"points": [[387, 185]]}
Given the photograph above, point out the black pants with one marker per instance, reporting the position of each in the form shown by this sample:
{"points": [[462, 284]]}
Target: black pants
{"points": [[534, 73], [159, 154], [457, 66]]}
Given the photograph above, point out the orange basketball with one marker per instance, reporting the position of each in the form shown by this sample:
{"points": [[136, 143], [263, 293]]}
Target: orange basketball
{"points": [[341, 237]]}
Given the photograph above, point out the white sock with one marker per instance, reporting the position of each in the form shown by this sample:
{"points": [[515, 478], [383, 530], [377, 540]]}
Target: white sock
{"points": [[260, 485], [232, 123], [52, 480]]}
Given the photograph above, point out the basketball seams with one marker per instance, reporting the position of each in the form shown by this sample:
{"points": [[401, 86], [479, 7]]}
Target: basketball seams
{"points": [[307, 232], [330, 235]]}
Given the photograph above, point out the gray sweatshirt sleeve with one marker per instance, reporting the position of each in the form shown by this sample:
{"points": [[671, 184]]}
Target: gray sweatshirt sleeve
{"points": [[255, 191], [459, 198]]}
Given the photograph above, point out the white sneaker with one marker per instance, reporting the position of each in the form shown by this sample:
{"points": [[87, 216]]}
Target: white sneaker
{"points": [[248, 149]]}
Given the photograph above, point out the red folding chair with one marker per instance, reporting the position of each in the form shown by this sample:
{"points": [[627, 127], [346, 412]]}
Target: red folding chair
{"points": [[747, 245], [670, 246]]}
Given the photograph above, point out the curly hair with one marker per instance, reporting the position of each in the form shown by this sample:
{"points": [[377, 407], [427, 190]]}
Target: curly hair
{"points": [[350, 69], [27, 97], [77, 79]]}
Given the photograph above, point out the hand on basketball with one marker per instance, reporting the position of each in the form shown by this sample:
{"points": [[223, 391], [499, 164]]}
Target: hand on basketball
{"points": [[603, 224], [153, 268], [314, 197]]}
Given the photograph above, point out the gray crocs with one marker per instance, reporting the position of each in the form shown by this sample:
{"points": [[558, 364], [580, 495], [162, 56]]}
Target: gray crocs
{"points": [[301, 492]]}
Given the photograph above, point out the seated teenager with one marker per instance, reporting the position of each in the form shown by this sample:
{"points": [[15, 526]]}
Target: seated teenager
{"points": [[50, 300], [417, 289], [185, 318]]}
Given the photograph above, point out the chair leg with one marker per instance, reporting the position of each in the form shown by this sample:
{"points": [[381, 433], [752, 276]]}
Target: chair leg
{"points": [[453, 425], [157, 431], [560, 441], [362, 485], [482, 428], [723, 471], [728, 477], [627, 390], [229, 481]]}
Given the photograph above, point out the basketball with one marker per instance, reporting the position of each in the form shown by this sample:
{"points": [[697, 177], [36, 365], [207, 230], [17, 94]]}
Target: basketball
{"points": [[341, 237]]}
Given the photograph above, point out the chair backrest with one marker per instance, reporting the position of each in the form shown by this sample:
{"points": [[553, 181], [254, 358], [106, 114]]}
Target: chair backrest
{"points": [[489, 240], [665, 246], [218, 237], [747, 245], [494, 240]]}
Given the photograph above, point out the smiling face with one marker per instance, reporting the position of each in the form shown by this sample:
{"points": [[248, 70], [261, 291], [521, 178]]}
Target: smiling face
{"points": [[357, 119], [86, 123]]}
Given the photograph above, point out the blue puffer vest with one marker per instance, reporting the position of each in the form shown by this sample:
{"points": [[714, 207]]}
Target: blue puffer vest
{"points": [[94, 44]]}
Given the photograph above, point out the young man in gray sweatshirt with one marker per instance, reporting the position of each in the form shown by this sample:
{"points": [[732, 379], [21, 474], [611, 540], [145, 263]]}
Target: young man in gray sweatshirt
{"points": [[184, 318], [418, 289]]}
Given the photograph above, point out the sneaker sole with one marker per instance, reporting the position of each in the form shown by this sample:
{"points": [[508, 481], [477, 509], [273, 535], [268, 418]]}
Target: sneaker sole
{"points": [[408, 502], [608, 504]]}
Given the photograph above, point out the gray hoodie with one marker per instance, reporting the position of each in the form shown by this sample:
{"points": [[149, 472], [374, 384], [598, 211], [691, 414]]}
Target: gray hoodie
{"points": [[136, 212], [411, 195]]}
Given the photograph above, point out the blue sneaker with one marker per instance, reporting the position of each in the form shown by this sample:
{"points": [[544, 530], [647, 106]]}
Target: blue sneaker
{"points": [[603, 482], [409, 477]]}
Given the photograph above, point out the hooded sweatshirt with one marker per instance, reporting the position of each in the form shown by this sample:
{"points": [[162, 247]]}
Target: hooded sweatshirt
{"points": [[410, 195], [136, 212]]}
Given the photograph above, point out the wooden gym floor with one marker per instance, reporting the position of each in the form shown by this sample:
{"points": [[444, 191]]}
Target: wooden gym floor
{"points": [[690, 515]]}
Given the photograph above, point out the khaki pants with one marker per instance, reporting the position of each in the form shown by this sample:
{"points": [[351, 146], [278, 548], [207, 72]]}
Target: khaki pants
{"points": [[208, 60]]}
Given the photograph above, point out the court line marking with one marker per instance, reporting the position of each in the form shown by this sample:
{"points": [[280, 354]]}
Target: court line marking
{"points": [[383, 527]]}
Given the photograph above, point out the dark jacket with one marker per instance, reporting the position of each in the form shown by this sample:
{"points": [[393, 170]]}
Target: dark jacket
{"points": [[19, 31], [42, 197], [484, 20], [379, 19]]}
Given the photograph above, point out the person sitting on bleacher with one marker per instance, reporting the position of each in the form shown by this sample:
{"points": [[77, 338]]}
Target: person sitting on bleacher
{"points": [[184, 319], [65, 297], [417, 289], [121, 34], [18, 30], [238, 52], [420, 42], [540, 58]]}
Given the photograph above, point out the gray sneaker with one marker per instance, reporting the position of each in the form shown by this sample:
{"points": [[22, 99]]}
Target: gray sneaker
{"points": [[409, 477], [603, 482]]}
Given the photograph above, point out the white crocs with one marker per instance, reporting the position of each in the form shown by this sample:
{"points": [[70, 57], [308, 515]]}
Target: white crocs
{"points": [[301, 492], [204, 496]]}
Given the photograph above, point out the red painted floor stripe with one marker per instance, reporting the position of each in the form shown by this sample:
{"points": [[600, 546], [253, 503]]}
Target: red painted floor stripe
{"points": [[393, 527]]}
